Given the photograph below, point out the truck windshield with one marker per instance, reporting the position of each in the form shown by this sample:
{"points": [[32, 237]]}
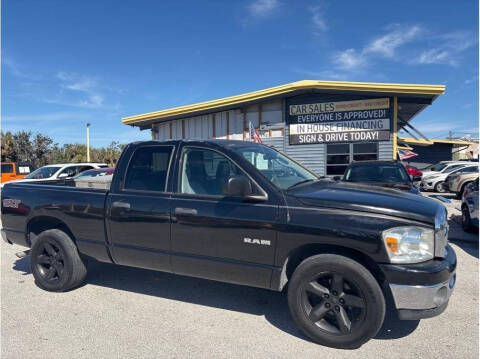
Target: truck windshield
{"points": [[43, 172], [282, 171]]}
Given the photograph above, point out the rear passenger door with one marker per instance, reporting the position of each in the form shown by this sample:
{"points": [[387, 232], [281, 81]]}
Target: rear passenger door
{"points": [[139, 211]]}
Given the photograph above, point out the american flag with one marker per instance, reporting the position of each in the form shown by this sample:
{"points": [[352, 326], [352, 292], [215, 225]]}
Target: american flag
{"points": [[406, 154], [254, 135]]}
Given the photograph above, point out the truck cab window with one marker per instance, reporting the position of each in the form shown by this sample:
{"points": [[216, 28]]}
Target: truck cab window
{"points": [[206, 172], [148, 169]]}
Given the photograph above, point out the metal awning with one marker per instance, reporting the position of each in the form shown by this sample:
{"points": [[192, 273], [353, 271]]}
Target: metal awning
{"points": [[426, 142], [412, 99]]}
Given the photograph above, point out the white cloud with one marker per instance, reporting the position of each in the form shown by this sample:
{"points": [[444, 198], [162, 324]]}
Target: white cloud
{"points": [[435, 56], [449, 49], [349, 60], [386, 45], [471, 80], [262, 8], [318, 17], [16, 70], [84, 84]]}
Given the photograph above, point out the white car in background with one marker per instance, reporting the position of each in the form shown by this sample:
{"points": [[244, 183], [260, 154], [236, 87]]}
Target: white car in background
{"points": [[58, 171], [432, 180]]}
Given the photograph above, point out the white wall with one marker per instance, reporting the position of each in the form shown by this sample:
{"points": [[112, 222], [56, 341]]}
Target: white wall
{"points": [[201, 127]]}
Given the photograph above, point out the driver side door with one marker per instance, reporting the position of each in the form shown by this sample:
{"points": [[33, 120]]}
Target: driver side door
{"points": [[215, 236]]}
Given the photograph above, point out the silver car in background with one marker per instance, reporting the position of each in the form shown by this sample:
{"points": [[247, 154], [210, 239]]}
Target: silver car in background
{"points": [[434, 176], [470, 207]]}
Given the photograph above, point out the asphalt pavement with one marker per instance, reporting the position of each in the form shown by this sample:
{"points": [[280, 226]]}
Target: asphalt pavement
{"points": [[124, 312]]}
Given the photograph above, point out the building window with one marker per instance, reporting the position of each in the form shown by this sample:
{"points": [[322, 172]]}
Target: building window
{"points": [[339, 156], [365, 151]]}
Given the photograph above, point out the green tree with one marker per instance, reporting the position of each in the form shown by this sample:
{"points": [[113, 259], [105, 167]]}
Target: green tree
{"points": [[42, 145], [39, 150]]}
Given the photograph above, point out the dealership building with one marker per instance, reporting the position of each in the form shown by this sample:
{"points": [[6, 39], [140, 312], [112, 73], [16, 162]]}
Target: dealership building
{"points": [[324, 125]]}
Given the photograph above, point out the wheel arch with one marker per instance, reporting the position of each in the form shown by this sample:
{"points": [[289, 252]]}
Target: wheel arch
{"points": [[299, 254], [39, 224], [464, 185]]}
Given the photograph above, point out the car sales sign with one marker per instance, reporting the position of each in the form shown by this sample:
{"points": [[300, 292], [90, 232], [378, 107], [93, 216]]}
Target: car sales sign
{"points": [[344, 121]]}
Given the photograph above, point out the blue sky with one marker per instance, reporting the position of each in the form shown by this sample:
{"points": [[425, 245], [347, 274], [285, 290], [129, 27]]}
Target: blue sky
{"points": [[66, 63]]}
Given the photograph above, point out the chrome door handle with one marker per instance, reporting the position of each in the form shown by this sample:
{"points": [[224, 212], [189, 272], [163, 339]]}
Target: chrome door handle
{"points": [[185, 211], [120, 204]]}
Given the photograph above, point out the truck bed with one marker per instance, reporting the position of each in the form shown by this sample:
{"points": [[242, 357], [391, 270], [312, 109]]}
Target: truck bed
{"points": [[81, 209]]}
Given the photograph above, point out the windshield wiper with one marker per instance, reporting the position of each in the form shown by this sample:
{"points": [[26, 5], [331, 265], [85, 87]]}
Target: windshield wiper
{"points": [[303, 181]]}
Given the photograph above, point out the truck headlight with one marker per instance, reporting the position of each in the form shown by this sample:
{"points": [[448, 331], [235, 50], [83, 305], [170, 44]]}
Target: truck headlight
{"points": [[409, 244]]}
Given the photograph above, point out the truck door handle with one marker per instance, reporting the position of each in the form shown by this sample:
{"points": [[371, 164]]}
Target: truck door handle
{"points": [[185, 211], [120, 204]]}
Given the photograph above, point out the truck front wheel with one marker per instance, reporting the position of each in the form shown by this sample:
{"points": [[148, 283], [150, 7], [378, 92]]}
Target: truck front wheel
{"points": [[55, 262], [336, 301]]}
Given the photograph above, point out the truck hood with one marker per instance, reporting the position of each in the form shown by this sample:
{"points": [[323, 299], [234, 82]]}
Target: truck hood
{"points": [[366, 198]]}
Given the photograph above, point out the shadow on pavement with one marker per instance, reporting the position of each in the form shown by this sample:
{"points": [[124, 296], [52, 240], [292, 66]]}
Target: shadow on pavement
{"points": [[467, 246], [272, 305]]}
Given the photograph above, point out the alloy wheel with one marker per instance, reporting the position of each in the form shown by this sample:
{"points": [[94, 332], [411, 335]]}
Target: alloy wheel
{"points": [[333, 303], [50, 262]]}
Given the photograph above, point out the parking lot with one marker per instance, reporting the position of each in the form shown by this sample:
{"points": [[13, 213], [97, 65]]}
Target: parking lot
{"points": [[124, 312]]}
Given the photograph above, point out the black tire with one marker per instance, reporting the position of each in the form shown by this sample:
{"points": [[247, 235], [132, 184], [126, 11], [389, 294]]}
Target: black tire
{"points": [[439, 187], [466, 220], [462, 189], [55, 262], [347, 324]]}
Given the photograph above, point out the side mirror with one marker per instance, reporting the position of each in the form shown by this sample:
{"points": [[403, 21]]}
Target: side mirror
{"points": [[63, 175], [416, 178], [239, 186], [337, 178]]}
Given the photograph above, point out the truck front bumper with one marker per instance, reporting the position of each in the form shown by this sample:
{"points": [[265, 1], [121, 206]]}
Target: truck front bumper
{"points": [[422, 290]]}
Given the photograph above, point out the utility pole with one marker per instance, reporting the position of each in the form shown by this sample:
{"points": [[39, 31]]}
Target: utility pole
{"points": [[450, 135], [88, 142]]}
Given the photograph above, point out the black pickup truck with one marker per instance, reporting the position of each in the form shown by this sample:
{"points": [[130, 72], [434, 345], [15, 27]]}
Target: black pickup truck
{"points": [[244, 213]]}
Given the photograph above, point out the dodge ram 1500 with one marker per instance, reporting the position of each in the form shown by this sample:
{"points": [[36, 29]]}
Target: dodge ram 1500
{"points": [[243, 213]]}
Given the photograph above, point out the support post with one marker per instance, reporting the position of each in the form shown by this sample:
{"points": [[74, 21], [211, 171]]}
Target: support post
{"points": [[88, 142], [395, 118]]}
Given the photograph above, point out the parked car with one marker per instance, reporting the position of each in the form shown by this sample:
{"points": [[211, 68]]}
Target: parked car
{"points": [[434, 181], [96, 172], [243, 213], [390, 174], [59, 172], [96, 178], [13, 171], [470, 207], [458, 181], [441, 166]]}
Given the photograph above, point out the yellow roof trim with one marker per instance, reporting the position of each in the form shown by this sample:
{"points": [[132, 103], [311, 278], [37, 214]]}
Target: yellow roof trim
{"points": [[405, 147], [422, 142], [282, 89]]}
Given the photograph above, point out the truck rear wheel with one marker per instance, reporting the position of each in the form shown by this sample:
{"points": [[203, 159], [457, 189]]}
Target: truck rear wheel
{"points": [[336, 301], [55, 262]]}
